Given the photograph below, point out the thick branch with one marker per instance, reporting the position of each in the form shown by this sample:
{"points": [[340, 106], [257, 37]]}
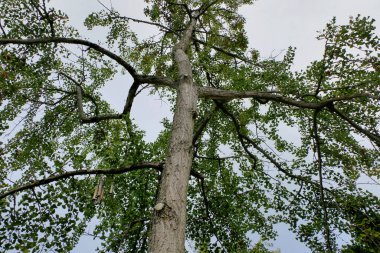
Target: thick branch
{"points": [[149, 79], [91, 45], [128, 104], [69, 174], [219, 94], [82, 115], [131, 96], [186, 39], [54, 178], [157, 81]]}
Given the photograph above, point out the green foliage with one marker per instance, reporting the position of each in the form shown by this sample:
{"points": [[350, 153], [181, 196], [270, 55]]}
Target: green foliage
{"points": [[255, 176]]}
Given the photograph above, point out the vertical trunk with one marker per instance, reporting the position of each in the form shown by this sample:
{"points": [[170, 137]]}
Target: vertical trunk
{"points": [[169, 221]]}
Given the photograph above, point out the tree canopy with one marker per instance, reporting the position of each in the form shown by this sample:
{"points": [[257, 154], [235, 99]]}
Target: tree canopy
{"points": [[222, 170]]}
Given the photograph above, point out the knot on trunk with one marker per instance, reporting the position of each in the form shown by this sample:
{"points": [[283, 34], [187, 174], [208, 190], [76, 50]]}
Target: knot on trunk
{"points": [[163, 210], [159, 207]]}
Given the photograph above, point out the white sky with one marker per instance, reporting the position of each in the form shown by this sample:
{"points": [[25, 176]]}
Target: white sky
{"points": [[272, 26]]}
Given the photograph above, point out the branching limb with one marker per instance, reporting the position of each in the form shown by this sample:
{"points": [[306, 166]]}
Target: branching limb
{"points": [[42, 11], [221, 50], [372, 136], [89, 44], [84, 119], [207, 209], [70, 174], [39, 102], [157, 81], [219, 94], [245, 139], [122, 170], [202, 125], [205, 7]]}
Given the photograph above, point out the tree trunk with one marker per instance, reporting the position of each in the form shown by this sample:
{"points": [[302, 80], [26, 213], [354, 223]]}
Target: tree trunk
{"points": [[169, 219]]}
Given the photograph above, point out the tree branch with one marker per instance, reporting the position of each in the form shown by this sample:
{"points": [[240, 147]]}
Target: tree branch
{"points": [[221, 50], [91, 45], [44, 15], [219, 94], [3, 30], [321, 188], [205, 7], [131, 96], [128, 104], [216, 158], [83, 118], [373, 137], [142, 22], [69, 174], [244, 137], [157, 81], [203, 124]]}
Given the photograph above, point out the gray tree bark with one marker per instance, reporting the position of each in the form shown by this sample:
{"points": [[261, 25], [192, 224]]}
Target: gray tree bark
{"points": [[169, 218]]}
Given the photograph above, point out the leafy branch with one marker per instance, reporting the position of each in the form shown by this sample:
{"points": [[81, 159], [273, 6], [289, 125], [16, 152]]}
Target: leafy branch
{"points": [[69, 174], [321, 188], [220, 94], [372, 136]]}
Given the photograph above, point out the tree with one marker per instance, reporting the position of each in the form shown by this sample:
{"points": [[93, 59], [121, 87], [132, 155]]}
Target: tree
{"points": [[223, 96], [366, 223]]}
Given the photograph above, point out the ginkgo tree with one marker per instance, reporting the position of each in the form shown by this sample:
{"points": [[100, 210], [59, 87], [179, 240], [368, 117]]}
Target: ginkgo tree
{"points": [[221, 170]]}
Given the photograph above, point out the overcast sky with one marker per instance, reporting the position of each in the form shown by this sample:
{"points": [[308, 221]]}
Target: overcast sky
{"points": [[272, 26]]}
